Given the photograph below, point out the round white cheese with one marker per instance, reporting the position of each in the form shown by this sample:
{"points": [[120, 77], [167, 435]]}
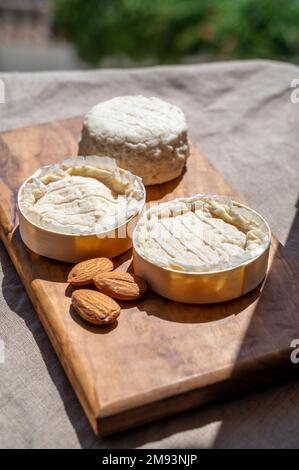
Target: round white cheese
{"points": [[146, 136], [199, 234], [81, 196]]}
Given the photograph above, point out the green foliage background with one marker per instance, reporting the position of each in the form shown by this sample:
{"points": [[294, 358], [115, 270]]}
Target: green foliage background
{"points": [[169, 31]]}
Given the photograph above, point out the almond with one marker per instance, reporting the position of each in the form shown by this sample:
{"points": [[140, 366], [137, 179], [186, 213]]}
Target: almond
{"points": [[119, 285], [83, 273], [95, 307]]}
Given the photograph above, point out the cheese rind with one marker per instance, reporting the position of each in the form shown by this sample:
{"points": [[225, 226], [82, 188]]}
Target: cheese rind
{"points": [[81, 196], [146, 136], [200, 234]]}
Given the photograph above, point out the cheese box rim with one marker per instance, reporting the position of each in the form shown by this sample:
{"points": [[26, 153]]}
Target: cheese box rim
{"points": [[206, 273], [79, 235]]}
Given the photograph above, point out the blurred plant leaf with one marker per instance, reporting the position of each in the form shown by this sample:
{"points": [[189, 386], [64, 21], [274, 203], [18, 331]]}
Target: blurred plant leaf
{"points": [[166, 31]]}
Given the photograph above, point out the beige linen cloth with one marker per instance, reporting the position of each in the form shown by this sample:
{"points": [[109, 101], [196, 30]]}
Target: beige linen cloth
{"points": [[242, 116]]}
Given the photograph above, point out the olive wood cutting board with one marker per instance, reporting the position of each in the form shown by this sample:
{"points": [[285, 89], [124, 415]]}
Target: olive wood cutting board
{"points": [[162, 357]]}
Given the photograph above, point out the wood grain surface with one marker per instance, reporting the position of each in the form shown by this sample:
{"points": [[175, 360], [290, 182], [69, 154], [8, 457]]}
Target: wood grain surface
{"points": [[161, 357]]}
